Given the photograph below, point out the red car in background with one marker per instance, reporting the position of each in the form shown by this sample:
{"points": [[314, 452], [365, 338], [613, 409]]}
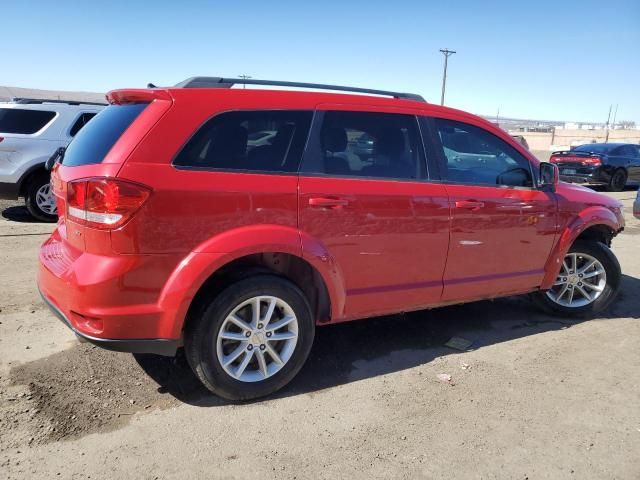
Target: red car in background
{"points": [[175, 231]]}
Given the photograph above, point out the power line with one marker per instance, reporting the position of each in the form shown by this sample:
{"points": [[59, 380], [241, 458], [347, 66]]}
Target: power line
{"points": [[447, 53], [244, 77]]}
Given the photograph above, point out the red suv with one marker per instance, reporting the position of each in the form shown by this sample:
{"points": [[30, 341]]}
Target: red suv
{"points": [[177, 228]]}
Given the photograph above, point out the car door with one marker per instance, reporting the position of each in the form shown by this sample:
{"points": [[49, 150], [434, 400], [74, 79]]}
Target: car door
{"points": [[365, 194], [628, 156], [502, 227]]}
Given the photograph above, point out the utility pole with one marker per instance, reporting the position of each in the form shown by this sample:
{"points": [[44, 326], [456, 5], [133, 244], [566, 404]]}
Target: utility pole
{"points": [[447, 53], [244, 77], [615, 114], [606, 138]]}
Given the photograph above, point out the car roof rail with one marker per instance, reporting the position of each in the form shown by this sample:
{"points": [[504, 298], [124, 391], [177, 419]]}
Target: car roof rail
{"points": [[32, 101], [220, 82]]}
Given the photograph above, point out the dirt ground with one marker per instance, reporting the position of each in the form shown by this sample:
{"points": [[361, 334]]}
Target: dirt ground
{"points": [[534, 397]]}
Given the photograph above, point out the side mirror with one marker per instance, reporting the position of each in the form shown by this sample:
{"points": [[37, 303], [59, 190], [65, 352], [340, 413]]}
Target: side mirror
{"points": [[57, 156], [549, 176]]}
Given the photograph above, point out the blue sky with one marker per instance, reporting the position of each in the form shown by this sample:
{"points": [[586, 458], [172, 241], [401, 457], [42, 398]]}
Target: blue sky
{"points": [[540, 59]]}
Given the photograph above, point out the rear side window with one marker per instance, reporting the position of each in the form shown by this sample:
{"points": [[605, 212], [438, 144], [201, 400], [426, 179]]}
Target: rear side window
{"points": [[81, 122], [266, 141], [26, 122], [368, 144], [94, 141], [475, 156]]}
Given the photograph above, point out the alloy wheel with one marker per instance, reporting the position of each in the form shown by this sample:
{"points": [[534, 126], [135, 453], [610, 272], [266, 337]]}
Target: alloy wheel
{"points": [[46, 200], [257, 339], [581, 281]]}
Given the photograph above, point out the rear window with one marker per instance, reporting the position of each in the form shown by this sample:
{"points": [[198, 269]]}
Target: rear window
{"points": [[93, 142], [593, 148], [26, 122]]}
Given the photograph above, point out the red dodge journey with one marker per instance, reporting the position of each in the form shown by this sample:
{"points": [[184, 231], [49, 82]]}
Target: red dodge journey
{"points": [[232, 222]]}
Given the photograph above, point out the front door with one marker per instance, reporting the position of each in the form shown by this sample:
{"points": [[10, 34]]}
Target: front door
{"points": [[502, 227], [364, 193]]}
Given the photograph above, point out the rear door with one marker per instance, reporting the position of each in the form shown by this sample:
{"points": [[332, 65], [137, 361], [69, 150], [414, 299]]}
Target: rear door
{"points": [[364, 192], [502, 227]]}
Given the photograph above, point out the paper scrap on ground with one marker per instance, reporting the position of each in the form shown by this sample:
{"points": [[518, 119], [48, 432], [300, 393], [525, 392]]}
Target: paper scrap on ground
{"points": [[458, 343]]}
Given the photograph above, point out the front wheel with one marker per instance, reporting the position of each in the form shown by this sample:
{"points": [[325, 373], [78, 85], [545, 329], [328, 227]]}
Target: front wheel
{"points": [[588, 282], [251, 339], [39, 198]]}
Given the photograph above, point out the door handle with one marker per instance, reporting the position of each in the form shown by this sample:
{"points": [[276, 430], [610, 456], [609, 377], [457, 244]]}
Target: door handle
{"points": [[469, 204], [327, 202]]}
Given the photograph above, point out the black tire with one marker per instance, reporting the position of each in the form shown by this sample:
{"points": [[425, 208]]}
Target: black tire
{"points": [[612, 268], [34, 184], [618, 181], [202, 331]]}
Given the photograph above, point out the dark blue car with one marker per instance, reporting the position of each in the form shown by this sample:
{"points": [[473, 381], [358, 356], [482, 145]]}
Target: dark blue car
{"points": [[608, 164]]}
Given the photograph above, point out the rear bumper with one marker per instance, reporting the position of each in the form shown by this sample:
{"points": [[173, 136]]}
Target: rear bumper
{"points": [[581, 179], [596, 176], [159, 346], [110, 301], [9, 191]]}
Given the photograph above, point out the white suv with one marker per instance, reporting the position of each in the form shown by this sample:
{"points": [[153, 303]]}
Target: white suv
{"points": [[31, 130]]}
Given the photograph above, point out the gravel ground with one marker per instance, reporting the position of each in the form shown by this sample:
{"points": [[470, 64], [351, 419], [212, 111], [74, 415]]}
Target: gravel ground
{"points": [[534, 397]]}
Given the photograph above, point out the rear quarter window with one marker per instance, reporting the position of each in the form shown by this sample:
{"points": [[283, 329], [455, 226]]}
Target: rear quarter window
{"points": [[93, 142], [22, 121], [262, 141]]}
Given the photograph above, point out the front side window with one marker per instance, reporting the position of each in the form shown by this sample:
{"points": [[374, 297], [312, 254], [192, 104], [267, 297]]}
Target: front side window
{"points": [[265, 141], [478, 157], [368, 144], [23, 121]]}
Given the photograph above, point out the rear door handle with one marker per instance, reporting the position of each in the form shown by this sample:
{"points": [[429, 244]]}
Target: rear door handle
{"points": [[327, 202], [469, 204]]}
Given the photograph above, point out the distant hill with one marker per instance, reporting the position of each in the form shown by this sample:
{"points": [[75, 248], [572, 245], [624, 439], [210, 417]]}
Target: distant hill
{"points": [[7, 93]]}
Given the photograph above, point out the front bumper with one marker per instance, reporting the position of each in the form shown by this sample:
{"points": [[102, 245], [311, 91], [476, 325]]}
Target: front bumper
{"points": [[158, 346]]}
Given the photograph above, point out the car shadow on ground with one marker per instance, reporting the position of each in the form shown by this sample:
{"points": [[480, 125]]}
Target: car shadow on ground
{"points": [[630, 187], [358, 350], [19, 213]]}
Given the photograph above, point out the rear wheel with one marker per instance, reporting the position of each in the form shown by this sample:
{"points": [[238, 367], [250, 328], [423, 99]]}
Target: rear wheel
{"points": [[588, 282], [39, 198], [251, 339], [618, 181]]}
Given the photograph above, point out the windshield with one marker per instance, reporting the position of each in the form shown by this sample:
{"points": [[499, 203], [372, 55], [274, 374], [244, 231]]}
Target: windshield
{"points": [[94, 141]]}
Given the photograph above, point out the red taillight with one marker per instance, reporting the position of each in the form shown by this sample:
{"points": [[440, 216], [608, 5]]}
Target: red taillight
{"points": [[554, 159], [104, 203], [592, 161]]}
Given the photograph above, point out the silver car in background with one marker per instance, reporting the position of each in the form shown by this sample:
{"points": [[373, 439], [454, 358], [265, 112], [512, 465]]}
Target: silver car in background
{"points": [[31, 130]]}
